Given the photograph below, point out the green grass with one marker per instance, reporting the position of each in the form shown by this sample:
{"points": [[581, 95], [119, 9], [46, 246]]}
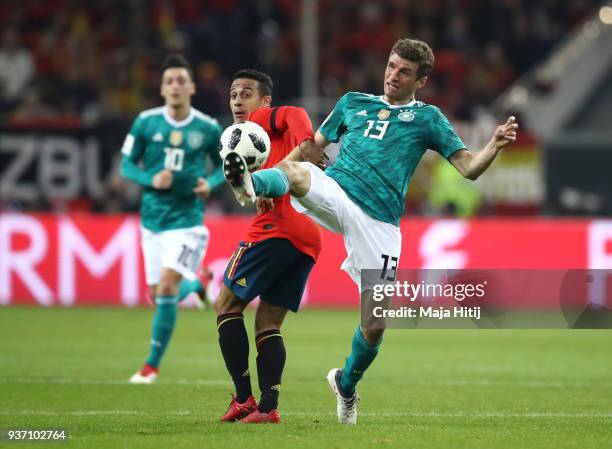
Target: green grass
{"points": [[427, 389]]}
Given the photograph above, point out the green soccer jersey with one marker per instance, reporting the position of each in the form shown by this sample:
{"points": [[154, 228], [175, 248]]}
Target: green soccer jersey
{"points": [[159, 142], [381, 147]]}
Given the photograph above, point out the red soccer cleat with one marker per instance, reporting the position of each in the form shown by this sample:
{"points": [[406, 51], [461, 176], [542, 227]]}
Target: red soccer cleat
{"points": [[256, 417], [237, 411], [147, 375]]}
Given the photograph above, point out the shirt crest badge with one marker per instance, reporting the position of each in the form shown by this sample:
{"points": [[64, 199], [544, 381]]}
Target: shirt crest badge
{"points": [[406, 116], [176, 138], [384, 114], [195, 139]]}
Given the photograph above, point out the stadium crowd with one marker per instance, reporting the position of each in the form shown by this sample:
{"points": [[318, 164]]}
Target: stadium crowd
{"points": [[81, 62], [69, 64]]}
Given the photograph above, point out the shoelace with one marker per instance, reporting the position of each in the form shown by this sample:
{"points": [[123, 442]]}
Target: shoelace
{"points": [[350, 404], [237, 404]]}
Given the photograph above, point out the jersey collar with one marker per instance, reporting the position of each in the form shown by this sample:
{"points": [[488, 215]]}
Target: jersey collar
{"points": [[178, 124], [410, 103]]}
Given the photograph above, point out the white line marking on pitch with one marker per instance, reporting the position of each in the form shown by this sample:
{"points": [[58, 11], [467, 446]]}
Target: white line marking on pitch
{"points": [[533, 415], [43, 381], [213, 382], [90, 413], [467, 415]]}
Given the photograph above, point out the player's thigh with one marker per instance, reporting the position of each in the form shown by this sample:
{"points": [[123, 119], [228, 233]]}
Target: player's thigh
{"points": [[152, 252], [324, 202], [373, 246], [268, 317], [228, 302], [183, 250], [287, 289], [254, 266]]}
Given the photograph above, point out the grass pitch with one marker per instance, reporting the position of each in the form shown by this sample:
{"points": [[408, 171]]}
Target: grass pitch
{"points": [[68, 368]]}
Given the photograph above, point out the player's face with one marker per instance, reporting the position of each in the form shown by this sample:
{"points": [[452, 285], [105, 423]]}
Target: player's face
{"points": [[401, 79], [245, 98], [177, 87]]}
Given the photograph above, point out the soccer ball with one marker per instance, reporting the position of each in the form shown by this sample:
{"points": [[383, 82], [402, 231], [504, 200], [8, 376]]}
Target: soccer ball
{"points": [[249, 140]]}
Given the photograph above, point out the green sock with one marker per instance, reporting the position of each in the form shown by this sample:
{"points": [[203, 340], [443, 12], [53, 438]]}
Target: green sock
{"points": [[270, 183], [163, 325], [186, 287], [361, 357]]}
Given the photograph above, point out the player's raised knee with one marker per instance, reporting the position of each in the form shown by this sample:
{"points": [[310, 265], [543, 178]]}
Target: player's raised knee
{"points": [[298, 175]]}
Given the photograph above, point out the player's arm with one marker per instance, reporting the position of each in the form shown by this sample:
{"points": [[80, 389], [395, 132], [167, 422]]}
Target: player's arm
{"points": [[472, 165], [330, 131], [131, 152], [215, 178], [296, 121], [206, 185], [311, 151]]}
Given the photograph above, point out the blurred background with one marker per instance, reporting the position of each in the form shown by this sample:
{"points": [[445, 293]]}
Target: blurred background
{"points": [[74, 75]]}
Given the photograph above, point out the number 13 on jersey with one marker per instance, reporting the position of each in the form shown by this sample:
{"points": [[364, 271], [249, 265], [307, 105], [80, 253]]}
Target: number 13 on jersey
{"points": [[376, 129]]}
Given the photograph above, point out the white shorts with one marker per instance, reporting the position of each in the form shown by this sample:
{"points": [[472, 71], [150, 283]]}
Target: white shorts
{"points": [[181, 250], [370, 243]]}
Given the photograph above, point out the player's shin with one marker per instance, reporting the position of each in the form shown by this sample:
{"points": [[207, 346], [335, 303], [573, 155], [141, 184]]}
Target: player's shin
{"points": [[164, 321], [271, 358], [270, 183], [186, 287], [234, 344], [361, 357]]}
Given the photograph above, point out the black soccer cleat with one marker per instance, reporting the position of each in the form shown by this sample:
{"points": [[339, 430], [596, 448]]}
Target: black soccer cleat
{"points": [[237, 175]]}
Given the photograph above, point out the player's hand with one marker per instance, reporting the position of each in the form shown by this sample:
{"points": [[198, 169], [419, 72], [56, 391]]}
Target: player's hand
{"points": [[202, 188], [163, 180], [311, 152], [322, 164], [264, 205], [505, 134]]}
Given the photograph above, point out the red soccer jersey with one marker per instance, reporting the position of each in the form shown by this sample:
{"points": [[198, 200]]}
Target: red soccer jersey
{"points": [[287, 127]]}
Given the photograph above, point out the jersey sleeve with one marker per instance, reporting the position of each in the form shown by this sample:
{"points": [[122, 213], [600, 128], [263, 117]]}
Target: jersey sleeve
{"points": [[335, 124], [215, 178], [442, 136], [134, 143], [285, 118], [132, 151]]}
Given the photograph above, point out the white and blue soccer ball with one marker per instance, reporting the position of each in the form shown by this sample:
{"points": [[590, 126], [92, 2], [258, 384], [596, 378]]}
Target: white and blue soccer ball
{"points": [[249, 140]]}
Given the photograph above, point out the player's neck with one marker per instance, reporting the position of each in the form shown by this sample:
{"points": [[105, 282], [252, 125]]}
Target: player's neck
{"points": [[178, 113], [398, 101]]}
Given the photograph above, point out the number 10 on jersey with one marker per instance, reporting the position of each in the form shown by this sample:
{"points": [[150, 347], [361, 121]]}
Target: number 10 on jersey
{"points": [[174, 159]]}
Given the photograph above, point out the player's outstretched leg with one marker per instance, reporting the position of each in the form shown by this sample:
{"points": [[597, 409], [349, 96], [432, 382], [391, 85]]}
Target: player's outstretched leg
{"points": [[237, 175], [273, 182]]}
